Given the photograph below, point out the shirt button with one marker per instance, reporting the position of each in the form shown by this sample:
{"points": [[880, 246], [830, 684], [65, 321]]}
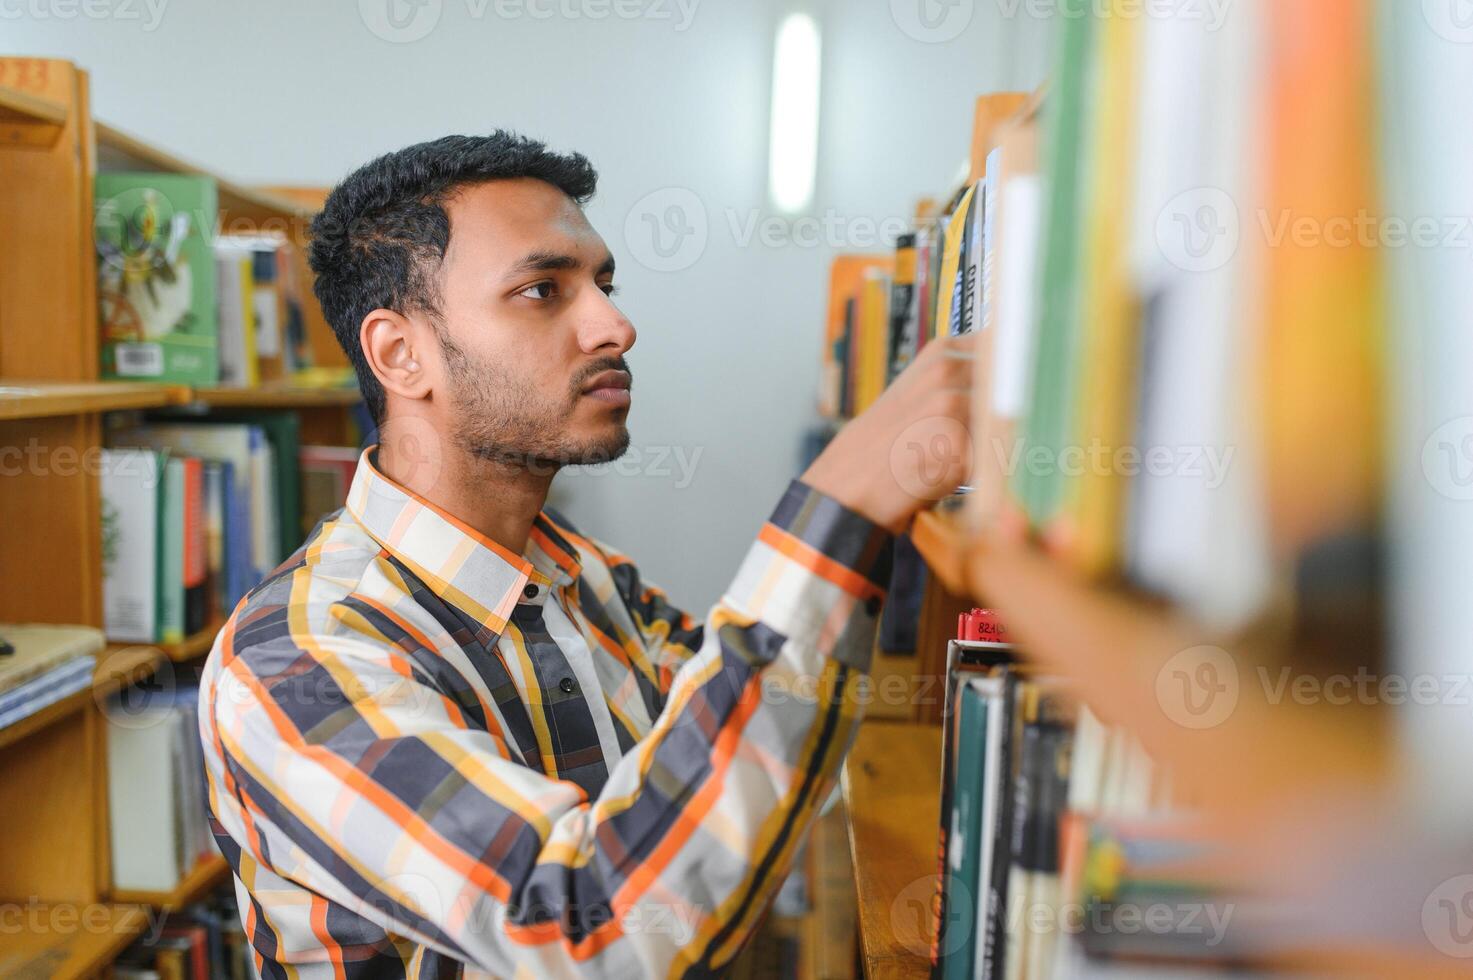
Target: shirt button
{"points": [[872, 605], [566, 685], [530, 591]]}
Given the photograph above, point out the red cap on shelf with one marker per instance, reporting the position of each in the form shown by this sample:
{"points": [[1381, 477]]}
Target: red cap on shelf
{"points": [[983, 625]]}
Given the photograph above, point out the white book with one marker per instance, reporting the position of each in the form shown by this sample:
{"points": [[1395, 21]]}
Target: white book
{"points": [[235, 350], [144, 797], [131, 484], [233, 443]]}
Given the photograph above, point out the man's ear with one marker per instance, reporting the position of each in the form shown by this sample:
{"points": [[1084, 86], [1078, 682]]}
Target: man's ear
{"points": [[401, 352]]}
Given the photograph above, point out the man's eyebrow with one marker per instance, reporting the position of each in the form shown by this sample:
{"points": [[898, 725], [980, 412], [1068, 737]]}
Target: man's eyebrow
{"points": [[546, 260]]}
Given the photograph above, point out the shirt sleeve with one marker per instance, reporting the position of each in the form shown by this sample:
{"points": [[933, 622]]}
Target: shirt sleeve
{"points": [[364, 784]]}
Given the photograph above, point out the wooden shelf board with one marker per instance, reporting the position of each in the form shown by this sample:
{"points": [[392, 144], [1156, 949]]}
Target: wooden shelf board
{"points": [[892, 797], [204, 876], [67, 943], [29, 107], [20, 399], [37, 399], [46, 717], [193, 645], [275, 396], [117, 666], [114, 143], [122, 664]]}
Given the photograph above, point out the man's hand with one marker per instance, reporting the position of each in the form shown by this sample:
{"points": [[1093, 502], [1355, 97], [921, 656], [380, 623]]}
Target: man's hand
{"points": [[911, 447]]}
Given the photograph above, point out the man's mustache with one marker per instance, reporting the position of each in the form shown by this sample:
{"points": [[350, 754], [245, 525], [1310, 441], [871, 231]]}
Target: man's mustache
{"points": [[599, 367]]}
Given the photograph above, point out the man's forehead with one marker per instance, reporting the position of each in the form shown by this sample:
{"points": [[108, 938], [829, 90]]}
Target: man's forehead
{"points": [[505, 219]]}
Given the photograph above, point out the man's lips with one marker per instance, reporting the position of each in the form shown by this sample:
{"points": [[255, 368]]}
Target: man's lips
{"points": [[609, 386]]}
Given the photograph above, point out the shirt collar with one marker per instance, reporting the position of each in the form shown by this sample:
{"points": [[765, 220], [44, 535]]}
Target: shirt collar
{"points": [[455, 561]]}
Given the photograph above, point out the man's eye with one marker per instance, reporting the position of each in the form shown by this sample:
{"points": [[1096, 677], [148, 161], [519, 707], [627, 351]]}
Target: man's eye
{"points": [[539, 290], [609, 289]]}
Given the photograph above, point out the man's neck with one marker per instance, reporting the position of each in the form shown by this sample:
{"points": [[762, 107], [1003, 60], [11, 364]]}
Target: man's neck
{"points": [[499, 500]]}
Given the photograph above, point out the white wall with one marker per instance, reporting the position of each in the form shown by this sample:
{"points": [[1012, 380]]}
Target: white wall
{"points": [[672, 104]]}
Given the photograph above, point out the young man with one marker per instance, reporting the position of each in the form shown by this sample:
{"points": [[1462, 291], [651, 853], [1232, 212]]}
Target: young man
{"points": [[452, 735]]}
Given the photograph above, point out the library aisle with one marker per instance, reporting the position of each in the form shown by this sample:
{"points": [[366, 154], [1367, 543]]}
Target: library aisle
{"points": [[1143, 651]]}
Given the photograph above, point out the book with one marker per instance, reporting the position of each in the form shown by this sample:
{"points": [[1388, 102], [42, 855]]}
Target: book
{"points": [[235, 267], [195, 574], [1005, 347], [951, 273], [131, 486], [967, 839], [326, 474], [904, 318], [49, 664], [1047, 425], [156, 276], [156, 790], [251, 538], [872, 361], [967, 657], [171, 553], [282, 431], [836, 383]]}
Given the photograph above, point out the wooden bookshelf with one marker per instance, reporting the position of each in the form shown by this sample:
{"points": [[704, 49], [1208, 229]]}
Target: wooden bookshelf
{"points": [[39, 399], [275, 396], [66, 942], [54, 783], [122, 150], [200, 880], [892, 800]]}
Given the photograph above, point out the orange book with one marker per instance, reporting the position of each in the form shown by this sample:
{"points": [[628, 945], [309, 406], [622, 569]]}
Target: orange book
{"points": [[1323, 341], [846, 276]]}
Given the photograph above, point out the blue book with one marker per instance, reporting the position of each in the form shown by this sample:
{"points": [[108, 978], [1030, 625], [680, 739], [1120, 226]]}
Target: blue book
{"points": [[40, 692]]}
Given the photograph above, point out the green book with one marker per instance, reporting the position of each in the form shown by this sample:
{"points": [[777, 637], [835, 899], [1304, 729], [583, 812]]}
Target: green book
{"points": [[171, 554], [156, 276], [965, 887], [283, 432], [1050, 419]]}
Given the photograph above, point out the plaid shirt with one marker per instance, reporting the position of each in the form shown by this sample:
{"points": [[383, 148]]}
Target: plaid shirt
{"points": [[429, 756]]}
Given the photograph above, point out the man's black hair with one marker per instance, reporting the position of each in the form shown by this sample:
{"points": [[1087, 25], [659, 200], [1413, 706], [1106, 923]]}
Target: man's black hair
{"points": [[381, 236]]}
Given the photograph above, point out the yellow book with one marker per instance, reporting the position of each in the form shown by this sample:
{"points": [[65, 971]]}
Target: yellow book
{"points": [[951, 256], [874, 337], [248, 317], [1091, 528]]}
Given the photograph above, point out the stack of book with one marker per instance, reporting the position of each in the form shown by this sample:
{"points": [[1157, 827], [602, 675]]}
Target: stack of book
{"points": [[45, 664], [182, 303], [1058, 833], [156, 787], [194, 513]]}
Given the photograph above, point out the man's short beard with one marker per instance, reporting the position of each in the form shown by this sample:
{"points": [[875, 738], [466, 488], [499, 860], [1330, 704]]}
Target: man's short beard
{"points": [[502, 419]]}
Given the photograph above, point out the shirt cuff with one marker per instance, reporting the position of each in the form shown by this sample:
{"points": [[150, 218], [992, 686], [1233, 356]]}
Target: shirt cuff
{"points": [[817, 574]]}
